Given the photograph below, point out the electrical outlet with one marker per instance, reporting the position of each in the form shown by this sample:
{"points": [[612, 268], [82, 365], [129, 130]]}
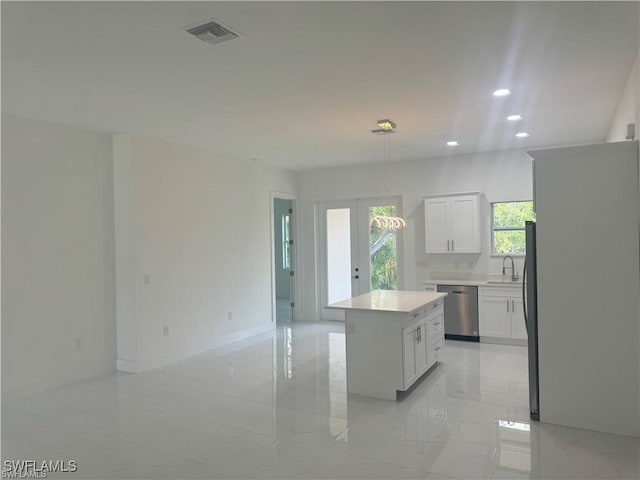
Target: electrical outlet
{"points": [[230, 370], [165, 330]]}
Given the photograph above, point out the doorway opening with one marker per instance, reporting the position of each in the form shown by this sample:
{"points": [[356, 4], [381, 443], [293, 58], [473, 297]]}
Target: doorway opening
{"points": [[283, 258]]}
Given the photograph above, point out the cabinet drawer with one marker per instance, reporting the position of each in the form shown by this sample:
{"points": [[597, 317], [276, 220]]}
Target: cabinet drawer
{"points": [[434, 307], [436, 343], [511, 292], [435, 348], [435, 323], [419, 313]]}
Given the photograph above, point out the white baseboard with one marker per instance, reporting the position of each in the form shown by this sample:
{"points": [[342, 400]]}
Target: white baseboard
{"points": [[504, 341], [150, 363], [128, 366]]}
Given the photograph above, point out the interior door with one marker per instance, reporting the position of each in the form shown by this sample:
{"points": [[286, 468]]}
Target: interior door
{"points": [[358, 254], [283, 258]]}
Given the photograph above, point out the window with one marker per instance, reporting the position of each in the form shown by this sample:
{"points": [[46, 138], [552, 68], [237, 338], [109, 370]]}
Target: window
{"points": [[507, 226], [286, 241]]}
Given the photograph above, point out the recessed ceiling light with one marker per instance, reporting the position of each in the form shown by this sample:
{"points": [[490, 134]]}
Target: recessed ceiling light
{"points": [[502, 92], [514, 118], [522, 134], [453, 143]]}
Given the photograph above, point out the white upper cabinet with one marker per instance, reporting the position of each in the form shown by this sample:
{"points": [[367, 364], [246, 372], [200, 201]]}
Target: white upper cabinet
{"points": [[436, 222], [452, 224]]}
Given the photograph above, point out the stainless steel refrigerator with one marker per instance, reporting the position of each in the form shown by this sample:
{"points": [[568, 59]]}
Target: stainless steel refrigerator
{"points": [[529, 304]]}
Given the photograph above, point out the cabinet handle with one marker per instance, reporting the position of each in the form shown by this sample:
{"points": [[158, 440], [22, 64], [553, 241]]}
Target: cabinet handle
{"points": [[447, 245], [507, 305], [452, 248], [418, 334], [513, 305]]}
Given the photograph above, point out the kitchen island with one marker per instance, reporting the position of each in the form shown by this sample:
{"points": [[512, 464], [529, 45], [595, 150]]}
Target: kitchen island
{"points": [[393, 337]]}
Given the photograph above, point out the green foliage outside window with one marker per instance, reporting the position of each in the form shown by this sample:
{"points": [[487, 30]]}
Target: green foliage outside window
{"points": [[508, 226], [383, 251]]}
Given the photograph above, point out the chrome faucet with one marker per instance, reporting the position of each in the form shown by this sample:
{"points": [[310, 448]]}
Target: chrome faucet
{"points": [[514, 273]]}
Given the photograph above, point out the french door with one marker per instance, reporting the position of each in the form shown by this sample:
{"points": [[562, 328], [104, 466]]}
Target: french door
{"points": [[356, 255]]}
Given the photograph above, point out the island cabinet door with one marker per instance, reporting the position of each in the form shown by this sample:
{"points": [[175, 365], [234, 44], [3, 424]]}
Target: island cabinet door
{"points": [[421, 348], [410, 372], [414, 347]]}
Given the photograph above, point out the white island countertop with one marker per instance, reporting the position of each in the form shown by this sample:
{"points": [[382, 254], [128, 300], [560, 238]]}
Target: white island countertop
{"points": [[401, 301]]}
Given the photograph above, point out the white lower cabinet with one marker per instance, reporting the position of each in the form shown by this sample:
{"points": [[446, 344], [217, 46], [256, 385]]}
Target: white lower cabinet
{"points": [[500, 314], [494, 316], [422, 344], [387, 350], [435, 348], [518, 327]]}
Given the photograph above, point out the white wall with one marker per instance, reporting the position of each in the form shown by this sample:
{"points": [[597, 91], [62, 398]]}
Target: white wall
{"points": [[202, 237], [124, 213], [628, 110], [58, 300], [501, 176]]}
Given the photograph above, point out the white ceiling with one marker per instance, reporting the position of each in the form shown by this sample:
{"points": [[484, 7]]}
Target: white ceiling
{"points": [[306, 82]]}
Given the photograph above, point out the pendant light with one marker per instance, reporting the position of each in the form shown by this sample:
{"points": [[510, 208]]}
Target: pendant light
{"points": [[385, 128]]}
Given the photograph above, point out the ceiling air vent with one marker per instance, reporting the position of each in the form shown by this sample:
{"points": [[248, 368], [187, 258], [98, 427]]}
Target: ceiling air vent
{"points": [[211, 32]]}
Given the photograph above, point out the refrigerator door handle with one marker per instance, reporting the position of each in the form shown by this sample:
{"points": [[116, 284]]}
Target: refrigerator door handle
{"points": [[524, 296]]}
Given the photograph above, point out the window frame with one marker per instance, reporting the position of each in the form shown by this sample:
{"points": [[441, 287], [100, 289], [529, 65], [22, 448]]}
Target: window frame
{"points": [[493, 229]]}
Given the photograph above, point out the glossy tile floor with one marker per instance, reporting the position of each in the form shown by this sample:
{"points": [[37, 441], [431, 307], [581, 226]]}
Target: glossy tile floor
{"points": [[275, 406]]}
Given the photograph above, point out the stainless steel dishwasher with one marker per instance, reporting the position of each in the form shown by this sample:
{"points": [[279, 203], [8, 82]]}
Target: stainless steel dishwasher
{"points": [[461, 312]]}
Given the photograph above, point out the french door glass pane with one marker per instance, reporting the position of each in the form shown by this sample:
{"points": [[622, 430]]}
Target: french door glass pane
{"points": [[383, 250], [338, 254]]}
